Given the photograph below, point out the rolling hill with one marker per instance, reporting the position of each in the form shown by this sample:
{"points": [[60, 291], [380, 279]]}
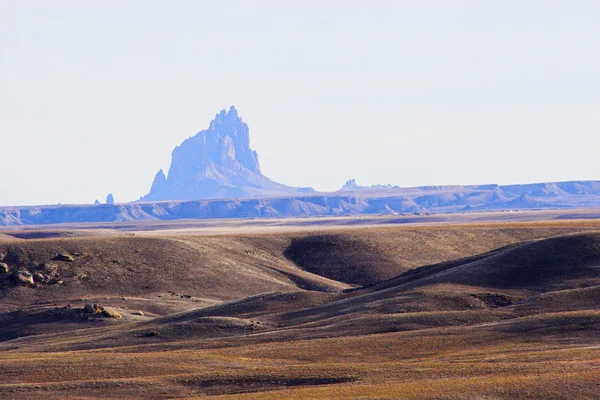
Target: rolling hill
{"points": [[492, 311]]}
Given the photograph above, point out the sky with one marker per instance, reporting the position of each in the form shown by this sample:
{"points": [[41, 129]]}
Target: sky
{"points": [[94, 96]]}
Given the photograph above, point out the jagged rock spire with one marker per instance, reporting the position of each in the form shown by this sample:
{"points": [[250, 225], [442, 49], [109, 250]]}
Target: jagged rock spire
{"points": [[215, 163]]}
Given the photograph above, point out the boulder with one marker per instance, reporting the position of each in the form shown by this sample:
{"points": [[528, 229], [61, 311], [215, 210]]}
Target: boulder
{"points": [[41, 278], [88, 308], [24, 278], [64, 257], [4, 268], [111, 314], [50, 269]]}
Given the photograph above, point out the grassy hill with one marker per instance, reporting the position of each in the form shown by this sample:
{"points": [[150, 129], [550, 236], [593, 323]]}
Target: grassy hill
{"points": [[475, 311]]}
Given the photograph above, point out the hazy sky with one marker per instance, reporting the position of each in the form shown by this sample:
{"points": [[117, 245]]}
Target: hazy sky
{"points": [[95, 95]]}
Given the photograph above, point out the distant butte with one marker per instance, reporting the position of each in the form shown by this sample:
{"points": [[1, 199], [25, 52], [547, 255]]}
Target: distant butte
{"points": [[216, 163]]}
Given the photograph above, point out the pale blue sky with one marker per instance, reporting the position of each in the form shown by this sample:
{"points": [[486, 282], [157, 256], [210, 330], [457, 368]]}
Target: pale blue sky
{"points": [[95, 95]]}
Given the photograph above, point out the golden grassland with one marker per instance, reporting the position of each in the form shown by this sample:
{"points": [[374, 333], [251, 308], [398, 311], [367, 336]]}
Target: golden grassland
{"points": [[434, 343], [436, 364]]}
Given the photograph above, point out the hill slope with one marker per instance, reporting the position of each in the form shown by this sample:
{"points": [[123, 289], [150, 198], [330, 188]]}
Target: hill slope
{"points": [[489, 287], [519, 321], [212, 269]]}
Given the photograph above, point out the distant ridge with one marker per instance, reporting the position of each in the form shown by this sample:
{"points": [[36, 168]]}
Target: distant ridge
{"points": [[542, 189], [387, 201], [352, 186], [216, 163]]}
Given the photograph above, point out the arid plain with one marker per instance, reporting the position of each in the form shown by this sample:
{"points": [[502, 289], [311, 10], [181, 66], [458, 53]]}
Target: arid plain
{"points": [[319, 309]]}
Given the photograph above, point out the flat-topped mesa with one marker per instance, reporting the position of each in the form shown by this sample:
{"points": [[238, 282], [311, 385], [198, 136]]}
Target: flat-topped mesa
{"points": [[216, 163]]}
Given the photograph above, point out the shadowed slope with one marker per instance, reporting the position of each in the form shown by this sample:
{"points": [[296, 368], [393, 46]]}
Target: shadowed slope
{"points": [[342, 258], [494, 280], [367, 256], [564, 262]]}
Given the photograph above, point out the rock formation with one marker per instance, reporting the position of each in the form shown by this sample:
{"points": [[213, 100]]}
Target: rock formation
{"points": [[4, 268], [216, 163], [110, 199], [24, 278], [352, 186]]}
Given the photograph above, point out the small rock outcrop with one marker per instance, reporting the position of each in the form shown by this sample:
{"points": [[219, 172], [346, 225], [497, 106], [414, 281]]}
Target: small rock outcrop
{"points": [[110, 199], [352, 186], [159, 184]]}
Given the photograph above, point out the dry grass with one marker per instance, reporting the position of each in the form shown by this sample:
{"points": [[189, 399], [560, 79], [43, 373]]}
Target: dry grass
{"points": [[463, 364], [440, 340]]}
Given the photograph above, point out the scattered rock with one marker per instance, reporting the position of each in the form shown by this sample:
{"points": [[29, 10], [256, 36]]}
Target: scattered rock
{"points": [[81, 276], [24, 278], [64, 257], [48, 268], [88, 308], [494, 300], [98, 310], [4, 268], [111, 314], [40, 278]]}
